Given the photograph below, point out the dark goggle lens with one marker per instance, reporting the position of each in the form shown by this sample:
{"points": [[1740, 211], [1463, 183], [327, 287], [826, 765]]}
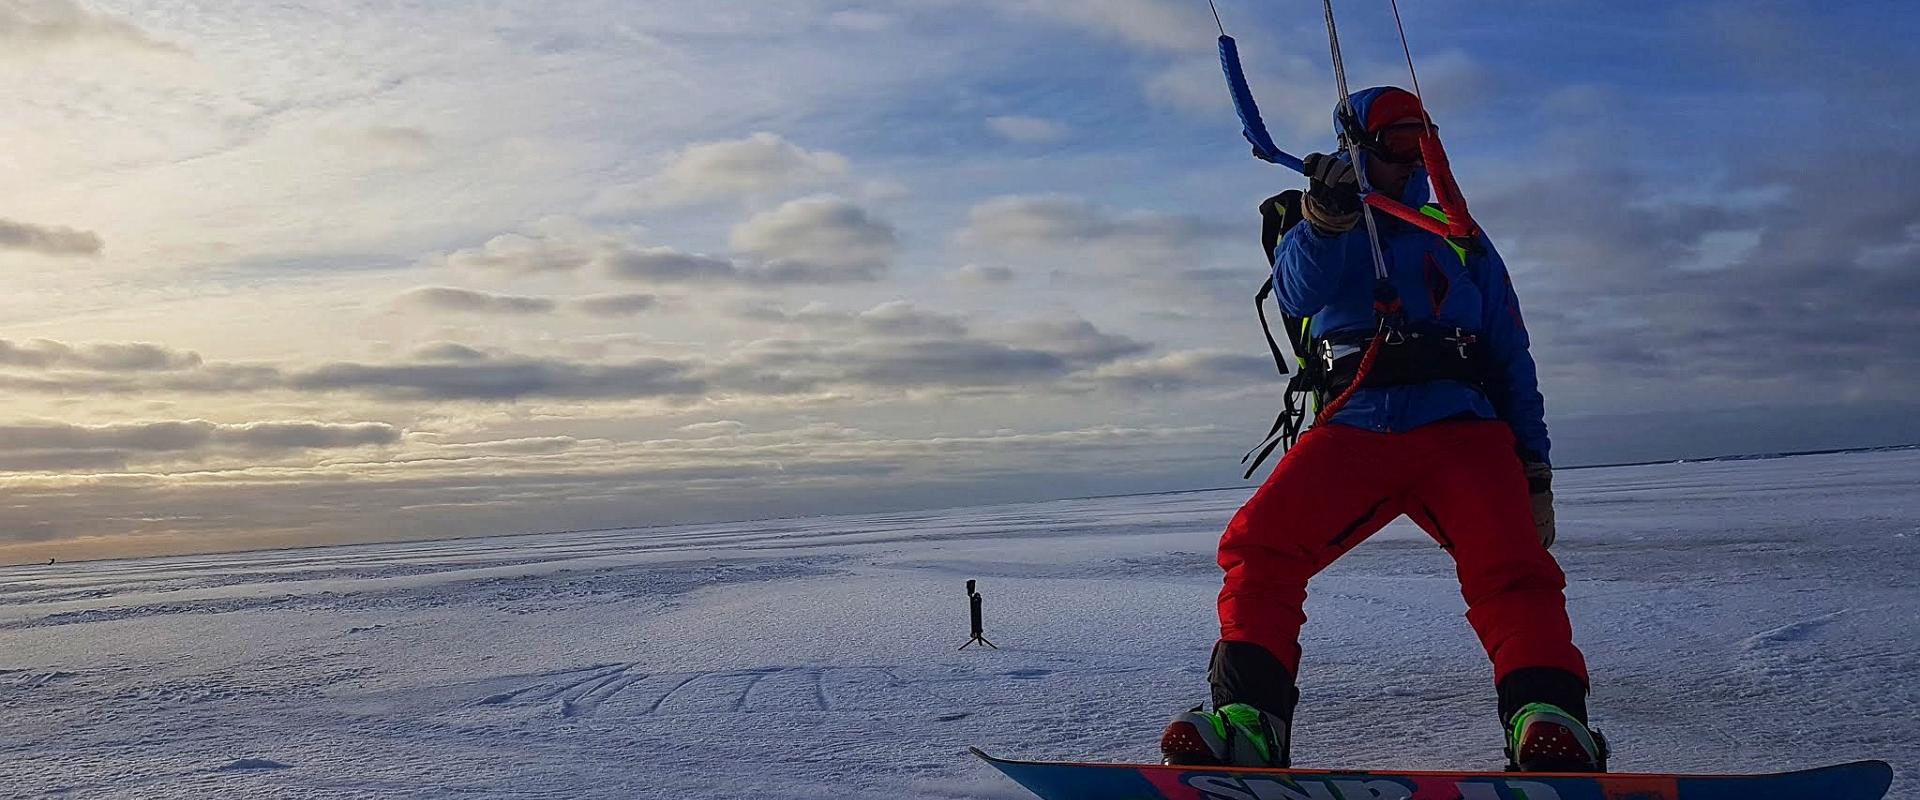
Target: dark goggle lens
{"points": [[1401, 142]]}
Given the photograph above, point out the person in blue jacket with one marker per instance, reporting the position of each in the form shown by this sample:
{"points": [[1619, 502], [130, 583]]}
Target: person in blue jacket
{"points": [[1446, 426]]}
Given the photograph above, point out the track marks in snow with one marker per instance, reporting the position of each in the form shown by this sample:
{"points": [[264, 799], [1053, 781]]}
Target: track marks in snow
{"points": [[766, 689], [623, 690], [22, 680], [584, 701], [252, 764], [574, 695], [654, 707]]}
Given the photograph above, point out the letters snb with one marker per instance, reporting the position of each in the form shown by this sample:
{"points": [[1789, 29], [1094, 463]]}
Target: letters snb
{"points": [[1228, 787]]}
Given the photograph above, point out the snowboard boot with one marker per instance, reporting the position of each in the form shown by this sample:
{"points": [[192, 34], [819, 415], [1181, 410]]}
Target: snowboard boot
{"points": [[1544, 710], [1237, 735], [1542, 737]]}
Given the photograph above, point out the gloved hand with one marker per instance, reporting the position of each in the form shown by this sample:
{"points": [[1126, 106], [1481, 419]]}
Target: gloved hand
{"points": [[1540, 489], [1333, 194]]}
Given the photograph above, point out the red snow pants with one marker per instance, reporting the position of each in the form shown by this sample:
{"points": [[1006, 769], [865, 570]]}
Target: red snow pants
{"points": [[1460, 481]]}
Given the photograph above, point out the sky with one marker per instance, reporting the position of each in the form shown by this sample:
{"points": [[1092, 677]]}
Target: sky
{"points": [[302, 273]]}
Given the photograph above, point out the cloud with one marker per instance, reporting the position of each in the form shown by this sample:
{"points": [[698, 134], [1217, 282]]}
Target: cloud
{"points": [[1039, 221], [763, 163], [1455, 84], [305, 435], [45, 461], [922, 355], [861, 20], [719, 427], [69, 447], [981, 275], [1630, 281], [104, 357], [28, 26], [1027, 130], [1295, 94], [1188, 369], [447, 298], [527, 445], [1152, 24], [449, 351], [617, 305], [890, 346], [817, 240], [206, 379], [1027, 221], [370, 149], [399, 136], [903, 318], [506, 378], [667, 265], [955, 363], [49, 241], [898, 318], [440, 372], [1077, 341], [522, 254], [822, 240], [1059, 229]]}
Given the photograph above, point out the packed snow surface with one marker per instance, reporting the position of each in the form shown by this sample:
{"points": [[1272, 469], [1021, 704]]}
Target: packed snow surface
{"points": [[1739, 616]]}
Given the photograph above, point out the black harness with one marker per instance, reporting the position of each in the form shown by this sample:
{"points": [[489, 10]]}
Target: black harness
{"points": [[1408, 355], [1416, 354]]}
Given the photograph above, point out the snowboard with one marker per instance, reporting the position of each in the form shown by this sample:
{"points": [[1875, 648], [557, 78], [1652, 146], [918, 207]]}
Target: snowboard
{"points": [[1059, 780]]}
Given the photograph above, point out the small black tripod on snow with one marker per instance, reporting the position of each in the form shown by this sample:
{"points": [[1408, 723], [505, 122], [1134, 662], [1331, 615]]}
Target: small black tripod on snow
{"points": [[973, 600]]}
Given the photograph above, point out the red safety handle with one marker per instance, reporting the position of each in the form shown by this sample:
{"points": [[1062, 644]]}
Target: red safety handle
{"points": [[1405, 214], [1446, 192]]}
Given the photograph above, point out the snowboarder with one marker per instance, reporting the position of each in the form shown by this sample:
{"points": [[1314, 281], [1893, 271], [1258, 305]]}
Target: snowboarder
{"points": [[1445, 426]]}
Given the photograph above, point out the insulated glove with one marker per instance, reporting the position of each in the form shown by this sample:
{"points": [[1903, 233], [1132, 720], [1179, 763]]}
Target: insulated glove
{"points": [[1333, 194], [1540, 488]]}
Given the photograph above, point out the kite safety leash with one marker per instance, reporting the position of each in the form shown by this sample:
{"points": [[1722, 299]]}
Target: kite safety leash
{"points": [[1446, 191]]}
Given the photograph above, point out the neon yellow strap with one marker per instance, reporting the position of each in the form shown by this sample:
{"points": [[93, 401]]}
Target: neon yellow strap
{"points": [[1435, 212]]}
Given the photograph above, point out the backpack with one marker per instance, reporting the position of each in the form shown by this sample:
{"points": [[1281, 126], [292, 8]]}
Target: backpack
{"points": [[1308, 386]]}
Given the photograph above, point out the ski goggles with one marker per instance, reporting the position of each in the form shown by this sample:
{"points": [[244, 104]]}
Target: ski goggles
{"points": [[1400, 143]]}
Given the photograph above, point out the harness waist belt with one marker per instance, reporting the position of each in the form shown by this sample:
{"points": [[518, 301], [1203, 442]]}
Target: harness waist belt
{"points": [[1421, 355]]}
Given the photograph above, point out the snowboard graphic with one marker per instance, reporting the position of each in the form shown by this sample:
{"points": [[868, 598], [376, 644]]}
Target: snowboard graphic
{"points": [[1056, 780]]}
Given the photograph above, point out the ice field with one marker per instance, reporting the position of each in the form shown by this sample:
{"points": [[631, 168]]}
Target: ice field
{"points": [[1738, 615]]}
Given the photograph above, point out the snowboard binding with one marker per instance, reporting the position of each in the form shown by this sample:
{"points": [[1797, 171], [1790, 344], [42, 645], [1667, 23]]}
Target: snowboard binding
{"points": [[1544, 738], [1237, 735]]}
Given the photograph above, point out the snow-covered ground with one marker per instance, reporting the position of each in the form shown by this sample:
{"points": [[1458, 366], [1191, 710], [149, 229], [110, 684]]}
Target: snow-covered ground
{"points": [[1753, 615]]}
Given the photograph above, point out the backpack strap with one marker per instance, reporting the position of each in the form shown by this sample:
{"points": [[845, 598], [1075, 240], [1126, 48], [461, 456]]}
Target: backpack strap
{"points": [[1278, 214]]}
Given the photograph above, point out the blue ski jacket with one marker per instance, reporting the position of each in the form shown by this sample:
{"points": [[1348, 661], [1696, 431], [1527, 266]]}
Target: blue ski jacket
{"points": [[1330, 279]]}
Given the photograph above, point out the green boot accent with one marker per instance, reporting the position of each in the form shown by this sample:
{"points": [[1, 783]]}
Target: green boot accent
{"points": [[1543, 737], [1235, 735], [1249, 724]]}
